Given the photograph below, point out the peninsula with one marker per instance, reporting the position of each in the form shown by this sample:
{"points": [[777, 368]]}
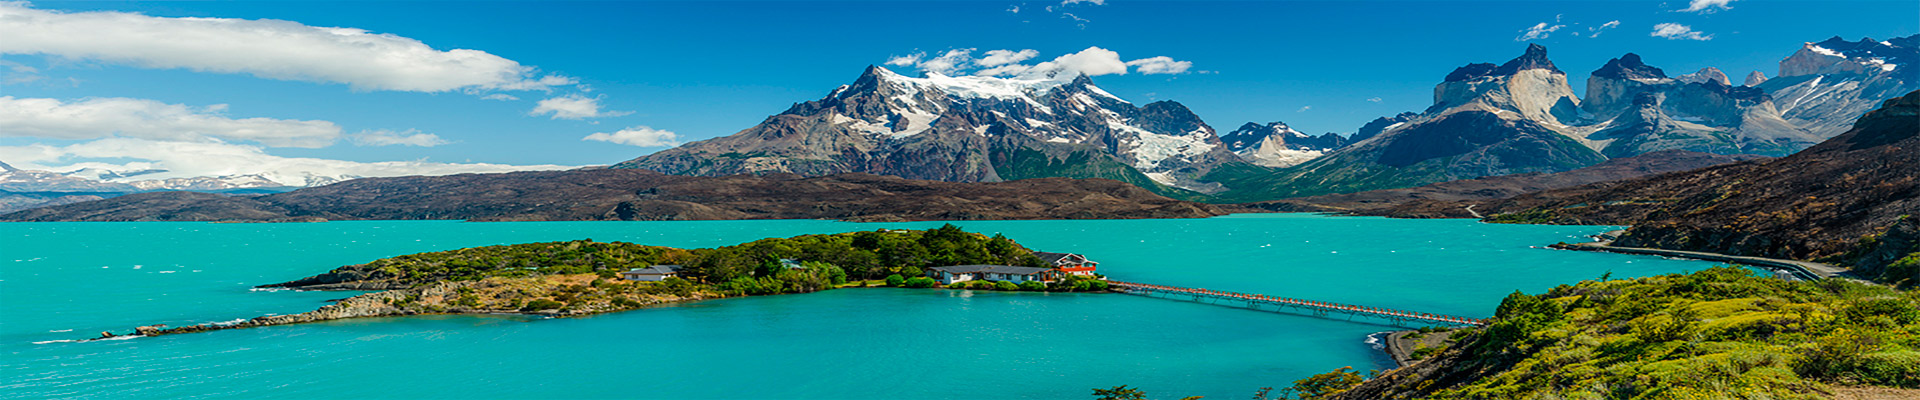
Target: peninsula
{"points": [[584, 277]]}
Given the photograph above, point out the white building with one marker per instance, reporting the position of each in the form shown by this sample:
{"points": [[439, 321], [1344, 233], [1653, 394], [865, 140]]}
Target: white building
{"points": [[1005, 273], [651, 274]]}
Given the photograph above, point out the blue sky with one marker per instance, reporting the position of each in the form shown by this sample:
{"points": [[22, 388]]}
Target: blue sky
{"points": [[706, 69]]}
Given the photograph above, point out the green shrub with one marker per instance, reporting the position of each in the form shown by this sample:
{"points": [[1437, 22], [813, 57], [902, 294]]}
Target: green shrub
{"points": [[1033, 286], [895, 280], [980, 285], [1005, 286], [542, 304], [957, 285], [920, 282]]}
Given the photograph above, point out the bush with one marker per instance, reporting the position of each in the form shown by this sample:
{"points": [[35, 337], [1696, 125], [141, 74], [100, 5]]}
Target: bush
{"points": [[980, 285], [542, 304], [1033, 286], [920, 282], [1006, 286], [957, 285], [895, 280]]}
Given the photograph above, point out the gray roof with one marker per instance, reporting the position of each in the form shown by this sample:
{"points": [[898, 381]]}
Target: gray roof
{"points": [[1051, 258], [655, 270], [996, 269]]}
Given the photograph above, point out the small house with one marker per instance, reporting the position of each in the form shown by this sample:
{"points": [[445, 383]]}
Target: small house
{"points": [[651, 274], [1006, 273], [1068, 262], [789, 263]]}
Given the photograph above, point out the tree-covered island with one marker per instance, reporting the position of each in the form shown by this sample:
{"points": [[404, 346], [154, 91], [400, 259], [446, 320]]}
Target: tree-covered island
{"points": [[583, 276]]}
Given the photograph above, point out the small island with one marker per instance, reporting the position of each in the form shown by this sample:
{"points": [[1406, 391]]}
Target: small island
{"points": [[583, 277]]}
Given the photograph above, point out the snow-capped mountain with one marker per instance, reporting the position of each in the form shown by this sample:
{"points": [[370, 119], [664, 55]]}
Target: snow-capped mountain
{"points": [[965, 129], [1277, 145], [1824, 86], [1634, 108]]}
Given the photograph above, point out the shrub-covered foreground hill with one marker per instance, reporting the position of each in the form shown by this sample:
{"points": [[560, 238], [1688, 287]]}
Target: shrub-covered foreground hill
{"points": [[1722, 333]]}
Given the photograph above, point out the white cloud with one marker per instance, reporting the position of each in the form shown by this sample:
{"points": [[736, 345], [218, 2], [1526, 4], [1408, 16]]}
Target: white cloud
{"points": [[573, 106], [1537, 31], [1304, 109], [906, 60], [410, 137], [1002, 57], [1093, 61], [271, 49], [204, 158], [95, 118], [1160, 65], [947, 63], [500, 97], [1014, 9], [638, 136], [1595, 31], [1093, 2], [1707, 6], [1673, 31], [1374, 100]]}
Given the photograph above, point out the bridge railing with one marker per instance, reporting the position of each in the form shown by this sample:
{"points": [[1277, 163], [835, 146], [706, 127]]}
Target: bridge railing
{"points": [[1388, 312]]}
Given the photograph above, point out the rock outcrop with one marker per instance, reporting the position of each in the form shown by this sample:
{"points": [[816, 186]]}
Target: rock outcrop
{"points": [[1274, 144]]}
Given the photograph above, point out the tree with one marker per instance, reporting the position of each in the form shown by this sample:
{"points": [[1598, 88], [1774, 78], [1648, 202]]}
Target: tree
{"points": [[895, 280], [1326, 384], [1121, 392]]}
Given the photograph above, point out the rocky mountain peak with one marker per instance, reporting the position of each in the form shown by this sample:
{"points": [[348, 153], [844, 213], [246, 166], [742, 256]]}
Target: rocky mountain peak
{"points": [[1534, 58], [1377, 125], [1755, 79], [1629, 66], [1708, 74]]}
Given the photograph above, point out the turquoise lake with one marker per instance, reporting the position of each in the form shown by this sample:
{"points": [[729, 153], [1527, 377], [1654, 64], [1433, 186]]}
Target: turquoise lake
{"points": [[61, 281]]}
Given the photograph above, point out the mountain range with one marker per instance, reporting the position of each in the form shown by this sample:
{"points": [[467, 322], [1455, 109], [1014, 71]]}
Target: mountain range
{"points": [[1520, 116], [628, 195], [1516, 117]]}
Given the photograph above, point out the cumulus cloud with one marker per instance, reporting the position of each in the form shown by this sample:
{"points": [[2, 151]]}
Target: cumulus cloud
{"points": [[573, 106], [948, 63], [1595, 31], [1673, 31], [1537, 31], [638, 136], [185, 159], [271, 49], [1706, 6], [1160, 65], [1093, 61], [95, 118], [1002, 57], [410, 137]]}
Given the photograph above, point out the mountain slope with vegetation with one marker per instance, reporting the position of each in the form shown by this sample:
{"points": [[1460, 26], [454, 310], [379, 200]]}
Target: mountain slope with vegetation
{"points": [[629, 195], [1719, 333], [1851, 200]]}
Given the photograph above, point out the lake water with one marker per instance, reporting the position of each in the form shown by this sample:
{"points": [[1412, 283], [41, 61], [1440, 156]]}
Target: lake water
{"points": [[72, 280]]}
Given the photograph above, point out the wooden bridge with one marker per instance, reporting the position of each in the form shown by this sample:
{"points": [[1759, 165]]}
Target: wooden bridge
{"points": [[1318, 308]]}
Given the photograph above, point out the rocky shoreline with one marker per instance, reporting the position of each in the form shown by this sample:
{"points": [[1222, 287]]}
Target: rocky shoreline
{"points": [[446, 297]]}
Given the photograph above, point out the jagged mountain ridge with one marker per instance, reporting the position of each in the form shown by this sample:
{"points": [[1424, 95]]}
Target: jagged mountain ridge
{"points": [[1630, 108], [1275, 144], [1824, 86], [964, 129]]}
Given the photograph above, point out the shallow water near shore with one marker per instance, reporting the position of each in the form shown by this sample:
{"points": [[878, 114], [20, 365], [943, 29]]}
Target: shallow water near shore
{"points": [[62, 281]]}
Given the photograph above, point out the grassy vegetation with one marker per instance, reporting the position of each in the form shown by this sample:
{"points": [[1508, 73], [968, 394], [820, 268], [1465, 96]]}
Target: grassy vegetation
{"points": [[1719, 333], [824, 261]]}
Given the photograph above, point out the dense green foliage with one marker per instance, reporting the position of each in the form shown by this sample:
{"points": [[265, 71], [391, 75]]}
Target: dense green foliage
{"points": [[1715, 332], [1025, 163], [752, 267]]}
